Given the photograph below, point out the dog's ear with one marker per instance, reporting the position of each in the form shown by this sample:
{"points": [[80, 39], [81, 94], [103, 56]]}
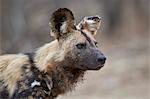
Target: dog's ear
{"points": [[61, 22], [90, 24]]}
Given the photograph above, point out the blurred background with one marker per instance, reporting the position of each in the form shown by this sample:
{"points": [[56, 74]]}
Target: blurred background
{"points": [[123, 38]]}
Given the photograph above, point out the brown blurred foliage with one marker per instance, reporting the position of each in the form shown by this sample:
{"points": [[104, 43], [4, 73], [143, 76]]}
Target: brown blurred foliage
{"points": [[123, 37]]}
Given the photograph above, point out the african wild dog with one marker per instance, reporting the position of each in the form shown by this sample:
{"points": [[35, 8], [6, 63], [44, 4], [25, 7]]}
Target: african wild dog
{"points": [[56, 67]]}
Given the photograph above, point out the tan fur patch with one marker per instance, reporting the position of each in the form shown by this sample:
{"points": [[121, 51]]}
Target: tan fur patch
{"points": [[45, 55], [10, 68]]}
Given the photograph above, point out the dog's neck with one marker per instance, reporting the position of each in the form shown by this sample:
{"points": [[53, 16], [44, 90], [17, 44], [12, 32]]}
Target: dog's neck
{"points": [[44, 56], [65, 79]]}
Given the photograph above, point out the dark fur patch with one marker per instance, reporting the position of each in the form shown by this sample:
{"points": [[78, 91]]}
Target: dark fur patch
{"points": [[30, 73], [4, 93], [58, 17], [25, 88], [65, 79]]}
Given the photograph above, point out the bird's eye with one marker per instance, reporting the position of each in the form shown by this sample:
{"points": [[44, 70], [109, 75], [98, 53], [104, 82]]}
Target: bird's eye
{"points": [[81, 45]]}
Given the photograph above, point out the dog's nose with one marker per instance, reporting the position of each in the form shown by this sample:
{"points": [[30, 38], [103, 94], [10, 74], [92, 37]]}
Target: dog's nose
{"points": [[101, 59]]}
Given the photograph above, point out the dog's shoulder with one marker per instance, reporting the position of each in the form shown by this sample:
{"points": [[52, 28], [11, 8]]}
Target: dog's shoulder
{"points": [[11, 70]]}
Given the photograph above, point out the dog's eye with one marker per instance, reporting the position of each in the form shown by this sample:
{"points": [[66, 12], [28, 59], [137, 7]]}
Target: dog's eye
{"points": [[81, 45]]}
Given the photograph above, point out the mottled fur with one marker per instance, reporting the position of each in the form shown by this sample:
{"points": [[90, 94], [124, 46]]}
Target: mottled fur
{"points": [[56, 67], [90, 24]]}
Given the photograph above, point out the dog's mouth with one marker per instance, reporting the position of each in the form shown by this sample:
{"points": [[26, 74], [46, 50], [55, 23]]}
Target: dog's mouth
{"points": [[91, 68], [97, 68]]}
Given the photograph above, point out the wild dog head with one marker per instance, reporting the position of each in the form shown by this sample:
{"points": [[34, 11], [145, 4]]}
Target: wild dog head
{"points": [[77, 45]]}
